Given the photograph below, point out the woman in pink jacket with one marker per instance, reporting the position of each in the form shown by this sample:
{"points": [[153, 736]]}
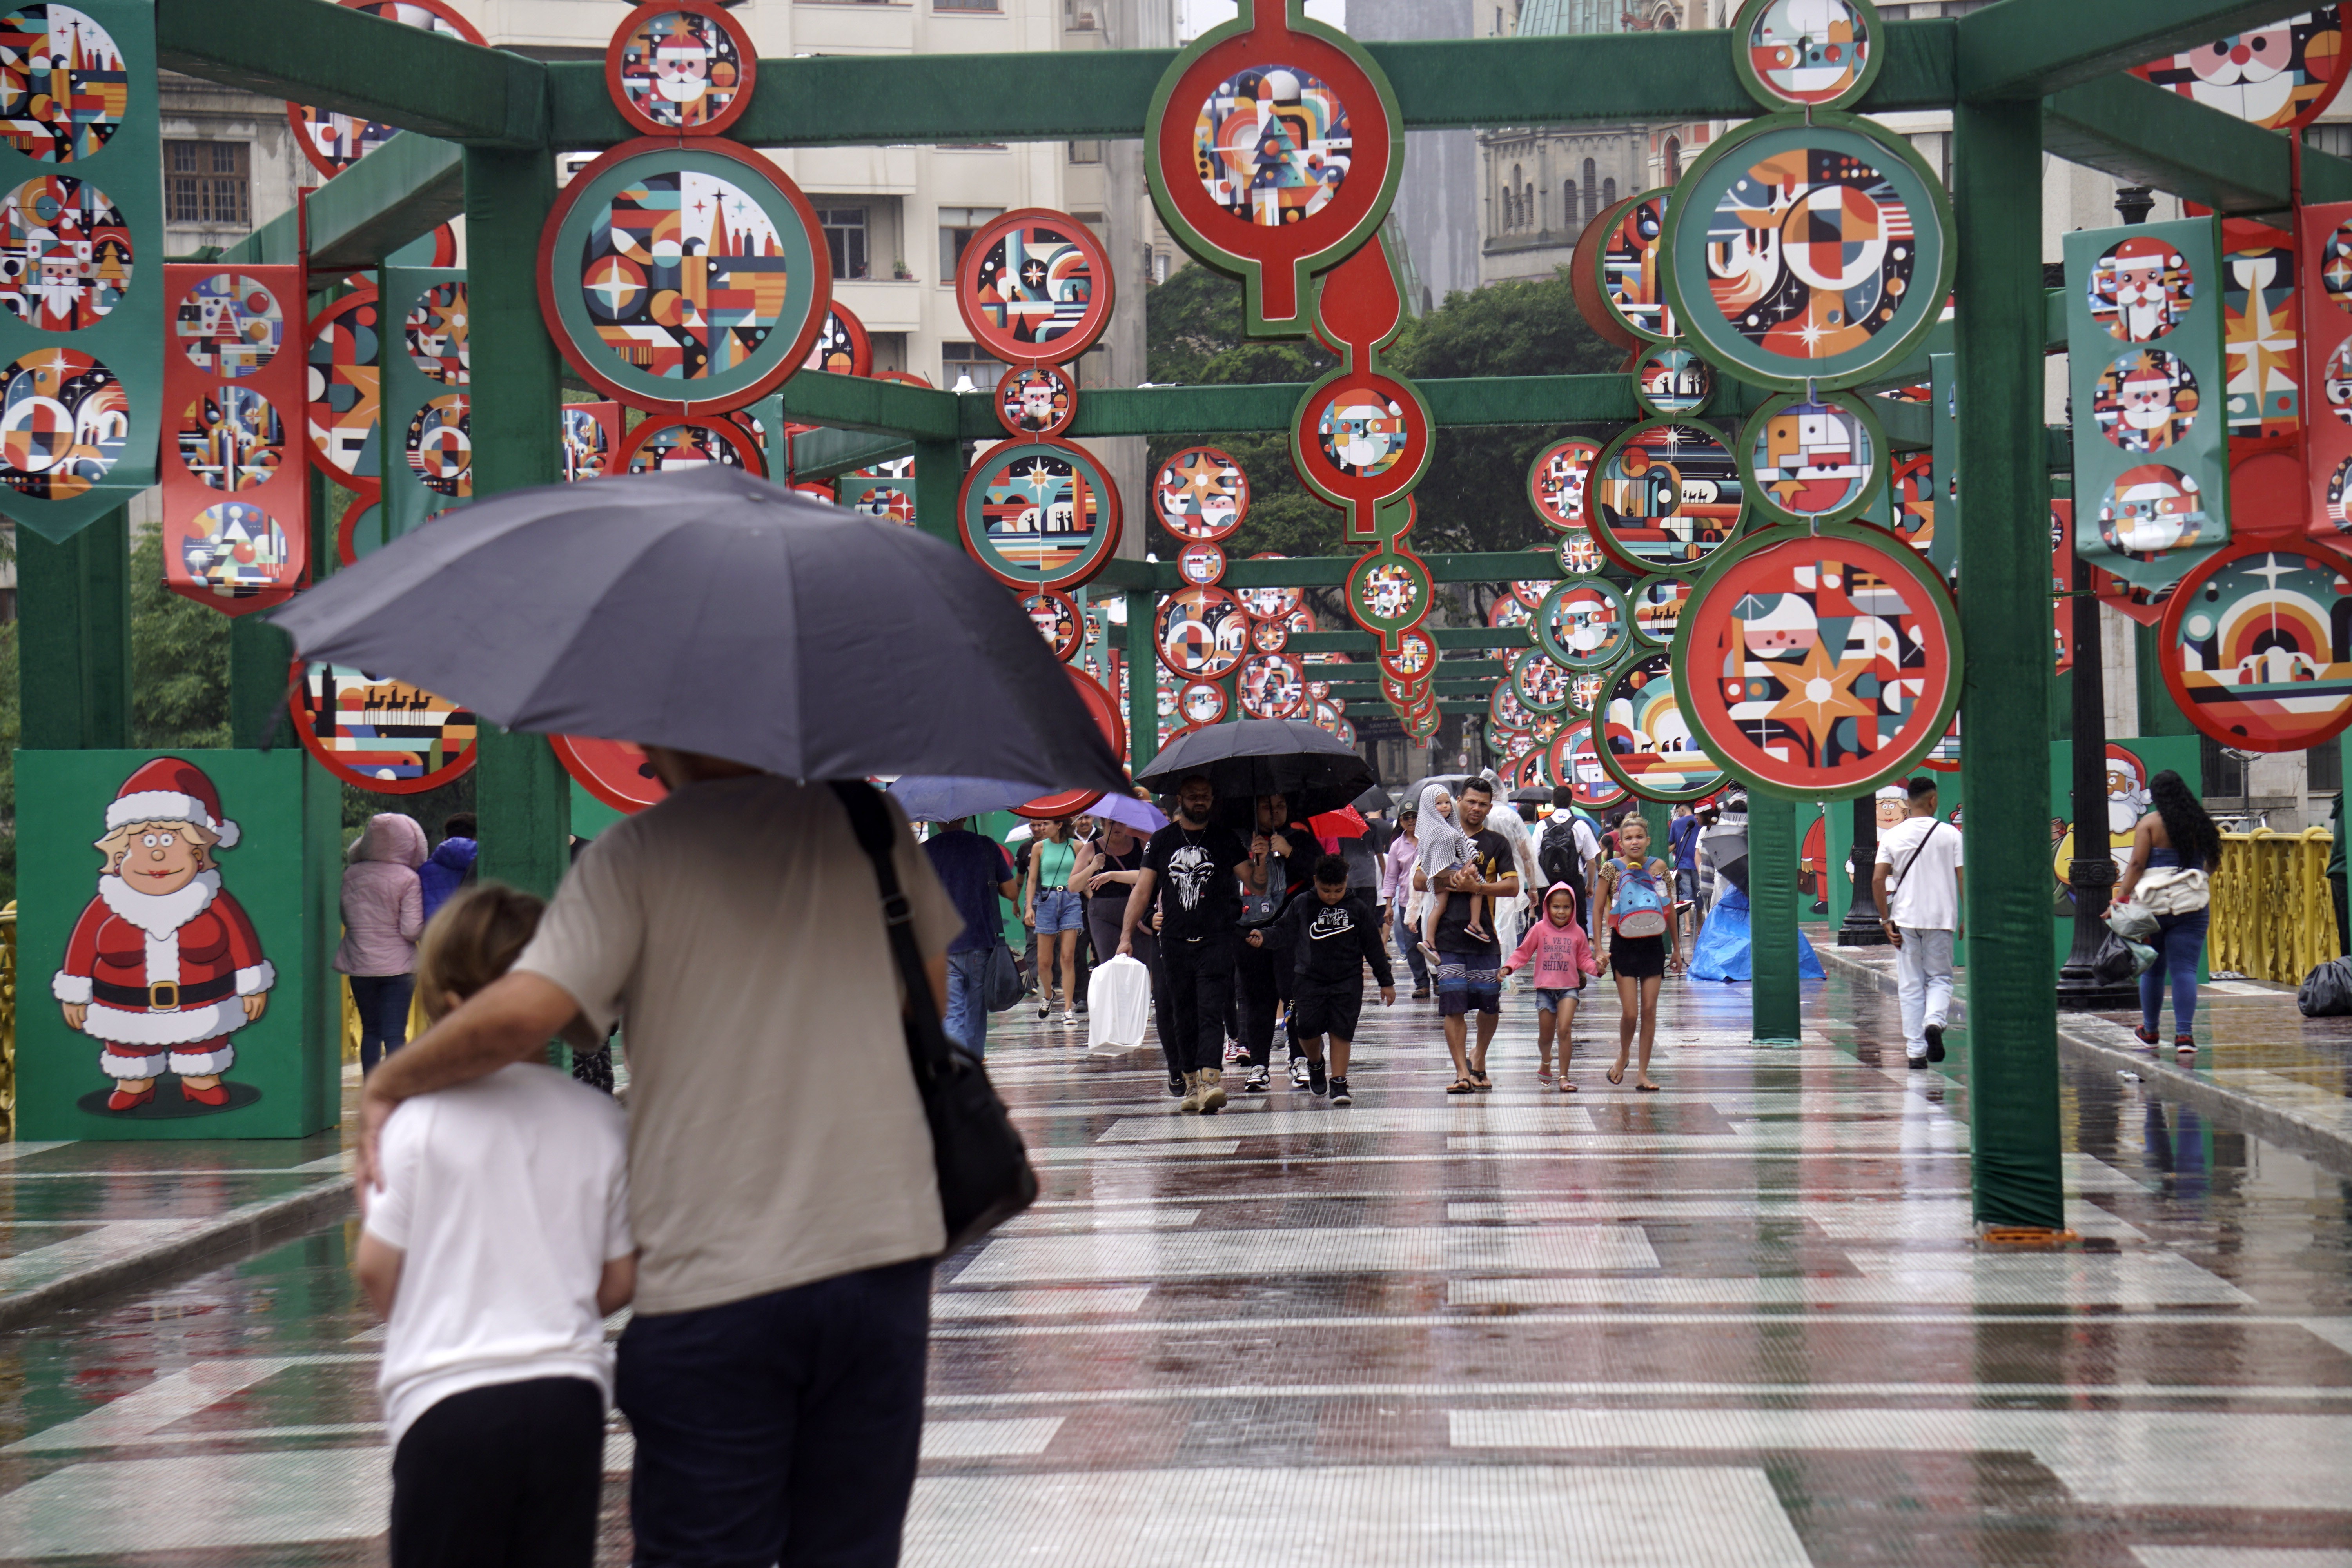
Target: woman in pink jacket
{"points": [[383, 915], [1557, 953]]}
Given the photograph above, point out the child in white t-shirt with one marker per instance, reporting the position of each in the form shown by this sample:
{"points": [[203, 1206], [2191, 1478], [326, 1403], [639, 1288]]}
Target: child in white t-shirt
{"points": [[496, 1249]]}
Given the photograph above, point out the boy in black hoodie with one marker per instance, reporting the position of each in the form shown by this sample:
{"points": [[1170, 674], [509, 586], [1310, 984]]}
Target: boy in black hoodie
{"points": [[1331, 937]]}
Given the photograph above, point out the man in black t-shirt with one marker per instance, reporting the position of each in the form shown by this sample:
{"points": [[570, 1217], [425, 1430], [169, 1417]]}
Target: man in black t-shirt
{"points": [[1192, 870], [1469, 968]]}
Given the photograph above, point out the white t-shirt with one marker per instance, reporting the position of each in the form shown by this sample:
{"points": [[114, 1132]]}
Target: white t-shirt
{"points": [[508, 1196], [1927, 895]]}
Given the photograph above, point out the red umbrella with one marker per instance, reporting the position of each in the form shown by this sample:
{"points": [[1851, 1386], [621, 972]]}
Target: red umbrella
{"points": [[1345, 822]]}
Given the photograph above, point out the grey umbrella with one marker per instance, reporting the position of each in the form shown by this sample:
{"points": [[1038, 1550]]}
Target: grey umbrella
{"points": [[714, 612]]}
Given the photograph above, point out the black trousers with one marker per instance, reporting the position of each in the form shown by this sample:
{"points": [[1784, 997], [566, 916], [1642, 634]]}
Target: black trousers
{"points": [[1200, 987], [503, 1477], [1262, 978]]}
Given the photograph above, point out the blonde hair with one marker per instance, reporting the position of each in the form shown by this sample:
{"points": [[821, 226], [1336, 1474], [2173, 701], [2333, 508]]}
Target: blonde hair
{"points": [[117, 844], [473, 939]]}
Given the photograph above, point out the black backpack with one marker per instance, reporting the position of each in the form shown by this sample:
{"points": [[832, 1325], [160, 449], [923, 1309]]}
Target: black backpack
{"points": [[1556, 857]]}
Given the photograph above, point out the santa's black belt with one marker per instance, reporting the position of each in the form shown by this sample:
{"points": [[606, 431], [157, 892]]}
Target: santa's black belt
{"points": [[163, 996]]}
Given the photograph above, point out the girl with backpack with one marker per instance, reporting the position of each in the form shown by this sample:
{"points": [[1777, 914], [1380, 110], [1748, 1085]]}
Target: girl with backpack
{"points": [[1640, 944]]}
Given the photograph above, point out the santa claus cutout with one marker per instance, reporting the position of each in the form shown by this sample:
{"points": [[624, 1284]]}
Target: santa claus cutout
{"points": [[164, 966]]}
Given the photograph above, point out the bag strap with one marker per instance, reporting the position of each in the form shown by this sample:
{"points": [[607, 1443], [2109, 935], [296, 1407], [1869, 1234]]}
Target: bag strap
{"points": [[926, 1041], [1913, 859]]}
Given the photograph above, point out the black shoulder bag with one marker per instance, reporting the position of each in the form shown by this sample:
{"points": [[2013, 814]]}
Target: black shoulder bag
{"points": [[984, 1167]]}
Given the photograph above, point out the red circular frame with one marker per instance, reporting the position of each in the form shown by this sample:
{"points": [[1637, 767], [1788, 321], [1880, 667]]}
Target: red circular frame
{"points": [[747, 54], [297, 684], [605, 770], [1160, 633], [1202, 550], [1224, 702], [2177, 607], [1213, 534], [755, 462], [1064, 647], [1241, 685], [358, 299], [1003, 398], [861, 344], [1106, 715], [996, 339], [1324, 476]]}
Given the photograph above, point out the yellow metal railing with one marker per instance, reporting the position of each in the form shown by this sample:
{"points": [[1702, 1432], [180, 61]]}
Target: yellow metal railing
{"points": [[7, 1020], [2273, 912]]}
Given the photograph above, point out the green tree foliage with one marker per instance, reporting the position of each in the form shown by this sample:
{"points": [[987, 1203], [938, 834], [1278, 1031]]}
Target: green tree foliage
{"points": [[179, 660]]}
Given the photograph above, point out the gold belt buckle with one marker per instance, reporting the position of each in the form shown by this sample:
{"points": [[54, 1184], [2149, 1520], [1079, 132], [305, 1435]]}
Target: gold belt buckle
{"points": [[155, 997]]}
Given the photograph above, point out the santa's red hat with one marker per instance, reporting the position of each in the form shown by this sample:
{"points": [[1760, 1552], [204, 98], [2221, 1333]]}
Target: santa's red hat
{"points": [[170, 790]]}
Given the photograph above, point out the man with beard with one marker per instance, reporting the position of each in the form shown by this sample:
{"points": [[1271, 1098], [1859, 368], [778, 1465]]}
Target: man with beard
{"points": [[1194, 869]]}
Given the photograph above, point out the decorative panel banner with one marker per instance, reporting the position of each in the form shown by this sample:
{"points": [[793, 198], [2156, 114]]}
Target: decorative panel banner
{"points": [[382, 734], [591, 437], [2256, 646], [344, 396], [2144, 332], [236, 493], [428, 443], [82, 302], [2280, 76], [2326, 370]]}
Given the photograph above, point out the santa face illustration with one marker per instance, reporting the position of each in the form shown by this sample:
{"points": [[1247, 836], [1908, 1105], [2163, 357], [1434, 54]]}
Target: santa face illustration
{"points": [[163, 965]]}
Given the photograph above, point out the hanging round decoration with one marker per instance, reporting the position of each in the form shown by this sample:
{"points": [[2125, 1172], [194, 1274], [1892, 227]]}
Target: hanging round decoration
{"points": [[1404, 694], [1360, 437], [1651, 747], [1820, 665], [1658, 605], [1503, 705], [1036, 400], [1669, 380], [1387, 593], [1200, 493], [615, 772], [588, 444], [2281, 77], [1201, 702], [1576, 762], [1201, 633], [1329, 717], [843, 346], [1200, 562], [2256, 645], [1269, 637], [1615, 270], [1273, 685], [1301, 620], [1039, 514], [1579, 555], [1412, 657], [1058, 620], [66, 426], [1508, 611], [1807, 54], [1915, 500], [1531, 769], [1506, 742], [1557, 481], [1035, 287], [659, 446], [1584, 624], [359, 530], [383, 735], [1271, 603], [1531, 590], [1666, 495], [1538, 681], [1812, 461], [1810, 253], [332, 141], [227, 325], [1543, 727], [1106, 715], [683, 277], [681, 68], [1584, 687]]}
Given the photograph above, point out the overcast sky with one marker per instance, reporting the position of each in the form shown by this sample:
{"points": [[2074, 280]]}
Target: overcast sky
{"points": [[1199, 15]]}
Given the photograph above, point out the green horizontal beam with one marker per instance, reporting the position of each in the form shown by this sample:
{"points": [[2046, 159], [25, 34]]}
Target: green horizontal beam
{"points": [[1447, 637], [1124, 574], [1330, 571], [823, 454], [403, 190], [1462, 708], [2031, 48], [861, 402], [2145, 135], [363, 65]]}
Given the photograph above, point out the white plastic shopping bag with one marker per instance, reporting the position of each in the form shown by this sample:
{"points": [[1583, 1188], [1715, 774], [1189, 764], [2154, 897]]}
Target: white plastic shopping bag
{"points": [[1118, 1004]]}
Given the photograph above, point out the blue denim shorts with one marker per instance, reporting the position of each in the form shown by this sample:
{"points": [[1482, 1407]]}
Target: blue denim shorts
{"points": [[1060, 910], [1549, 1000]]}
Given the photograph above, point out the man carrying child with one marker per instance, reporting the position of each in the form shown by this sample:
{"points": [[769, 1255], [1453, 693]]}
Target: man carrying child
{"points": [[1328, 935]]}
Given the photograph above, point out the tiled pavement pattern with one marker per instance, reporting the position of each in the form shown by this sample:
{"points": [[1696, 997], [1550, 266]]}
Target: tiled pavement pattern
{"points": [[1738, 1322]]}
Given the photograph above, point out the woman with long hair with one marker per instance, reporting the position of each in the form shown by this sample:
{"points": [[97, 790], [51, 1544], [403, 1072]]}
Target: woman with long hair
{"points": [[1057, 915], [2178, 836]]}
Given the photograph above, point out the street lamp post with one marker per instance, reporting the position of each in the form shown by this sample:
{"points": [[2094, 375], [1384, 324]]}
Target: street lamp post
{"points": [[1861, 927]]}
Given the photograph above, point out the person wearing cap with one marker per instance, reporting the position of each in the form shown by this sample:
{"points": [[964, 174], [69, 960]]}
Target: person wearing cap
{"points": [[1918, 883]]}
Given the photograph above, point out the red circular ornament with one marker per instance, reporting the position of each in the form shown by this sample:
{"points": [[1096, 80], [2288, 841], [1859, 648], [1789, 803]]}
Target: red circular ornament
{"points": [[1201, 564], [1558, 480], [1576, 762], [1201, 633], [1058, 620], [615, 772], [1413, 657], [1361, 438], [1271, 603], [1270, 636], [681, 68], [842, 347], [1105, 711], [1201, 702], [2256, 645], [384, 736], [1034, 286], [345, 403], [660, 445], [1036, 400], [1200, 493]]}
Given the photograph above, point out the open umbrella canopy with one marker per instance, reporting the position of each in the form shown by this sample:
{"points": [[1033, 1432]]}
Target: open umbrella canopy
{"points": [[1312, 766], [929, 798], [1141, 814], [713, 612]]}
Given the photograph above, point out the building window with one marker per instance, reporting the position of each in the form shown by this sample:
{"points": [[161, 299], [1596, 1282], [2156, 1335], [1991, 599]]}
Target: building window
{"points": [[844, 238], [1592, 187], [1514, 212], [2323, 769], [208, 182], [1608, 195], [957, 361], [1085, 152], [1568, 206], [957, 225], [2225, 774], [1159, 266], [1078, 16], [1674, 158], [963, 4], [1529, 216]]}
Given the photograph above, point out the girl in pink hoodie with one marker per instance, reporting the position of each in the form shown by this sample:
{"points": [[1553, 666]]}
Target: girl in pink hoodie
{"points": [[1556, 949]]}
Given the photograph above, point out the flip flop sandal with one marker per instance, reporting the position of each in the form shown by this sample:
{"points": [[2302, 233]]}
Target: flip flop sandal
{"points": [[1461, 1085], [1645, 1088], [1616, 1076], [1481, 1083], [1566, 1087]]}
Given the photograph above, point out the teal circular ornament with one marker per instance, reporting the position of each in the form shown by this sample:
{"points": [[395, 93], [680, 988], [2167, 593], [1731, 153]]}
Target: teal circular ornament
{"points": [[1584, 624], [1538, 681], [1039, 515], [1809, 251], [1818, 459]]}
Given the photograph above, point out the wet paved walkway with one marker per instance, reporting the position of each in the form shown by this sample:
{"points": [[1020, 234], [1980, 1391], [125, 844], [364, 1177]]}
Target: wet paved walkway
{"points": [[1738, 1322]]}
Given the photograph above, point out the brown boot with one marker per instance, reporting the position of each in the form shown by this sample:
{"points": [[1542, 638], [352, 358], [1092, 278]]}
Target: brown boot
{"points": [[1213, 1090], [1191, 1104]]}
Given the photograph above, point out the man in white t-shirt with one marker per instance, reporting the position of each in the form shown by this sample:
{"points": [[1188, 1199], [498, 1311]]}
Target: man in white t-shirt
{"points": [[1917, 882]]}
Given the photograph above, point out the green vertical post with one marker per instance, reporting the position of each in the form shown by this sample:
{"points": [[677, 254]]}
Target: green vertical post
{"points": [[2005, 623], [74, 638], [2158, 713], [938, 478], [259, 658], [1773, 1002], [1142, 654], [522, 793]]}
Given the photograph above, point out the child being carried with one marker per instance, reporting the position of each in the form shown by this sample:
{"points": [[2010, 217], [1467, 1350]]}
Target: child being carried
{"points": [[1444, 850]]}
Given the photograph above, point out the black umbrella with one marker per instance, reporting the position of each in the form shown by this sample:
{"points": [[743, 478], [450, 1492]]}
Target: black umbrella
{"points": [[713, 612], [1374, 799], [1313, 767]]}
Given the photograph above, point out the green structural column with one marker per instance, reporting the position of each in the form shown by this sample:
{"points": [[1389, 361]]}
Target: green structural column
{"points": [[522, 793], [939, 478], [1772, 917], [1142, 681], [74, 638], [2158, 713], [260, 657], [2005, 620]]}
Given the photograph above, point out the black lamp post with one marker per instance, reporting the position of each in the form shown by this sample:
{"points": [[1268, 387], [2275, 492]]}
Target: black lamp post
{"points": [[1861, 927]]}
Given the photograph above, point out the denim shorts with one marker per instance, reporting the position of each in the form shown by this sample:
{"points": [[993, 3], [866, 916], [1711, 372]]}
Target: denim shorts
{"points": [[1549, 1000], [1060, 910]]}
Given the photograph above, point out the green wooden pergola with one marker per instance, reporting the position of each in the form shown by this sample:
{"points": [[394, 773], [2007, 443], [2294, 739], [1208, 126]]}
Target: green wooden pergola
{"points": [[2022, 78]]}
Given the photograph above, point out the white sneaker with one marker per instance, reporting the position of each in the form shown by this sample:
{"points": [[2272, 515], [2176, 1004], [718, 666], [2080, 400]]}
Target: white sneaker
{"points": [[1298, 1072], [1072, 1018]]}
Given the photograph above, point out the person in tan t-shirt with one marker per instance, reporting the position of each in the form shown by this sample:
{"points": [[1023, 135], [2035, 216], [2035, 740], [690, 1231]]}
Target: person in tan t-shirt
{"points": [[782, 1185]]}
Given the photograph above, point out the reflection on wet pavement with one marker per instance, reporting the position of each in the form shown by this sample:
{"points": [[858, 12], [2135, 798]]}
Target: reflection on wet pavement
{"points": [[1741, 1321]]}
